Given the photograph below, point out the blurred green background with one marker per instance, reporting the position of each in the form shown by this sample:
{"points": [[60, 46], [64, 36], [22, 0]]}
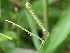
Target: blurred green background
{"points": [[58, 16]]}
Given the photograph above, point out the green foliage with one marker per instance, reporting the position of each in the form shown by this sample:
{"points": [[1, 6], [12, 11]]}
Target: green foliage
{"points": [[33, 28], [24, 1], [58, 15], [59, 33]]}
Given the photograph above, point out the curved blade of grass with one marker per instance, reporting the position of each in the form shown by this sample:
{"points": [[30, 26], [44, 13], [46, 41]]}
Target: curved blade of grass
{"points": [[58, 34], [33, 29]]}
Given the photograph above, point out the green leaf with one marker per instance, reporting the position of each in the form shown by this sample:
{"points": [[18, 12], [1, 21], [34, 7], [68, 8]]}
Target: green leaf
{"points": [[59, 33], [33, 29], [19, 50]]}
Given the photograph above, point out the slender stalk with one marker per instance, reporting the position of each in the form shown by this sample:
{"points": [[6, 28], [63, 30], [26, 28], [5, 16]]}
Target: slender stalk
{"points": [[6, 36], [45, 16], [45, 21], [18, 30]]}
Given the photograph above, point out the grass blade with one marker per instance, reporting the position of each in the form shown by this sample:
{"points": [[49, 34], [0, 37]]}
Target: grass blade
{"points": [[58, 34]]}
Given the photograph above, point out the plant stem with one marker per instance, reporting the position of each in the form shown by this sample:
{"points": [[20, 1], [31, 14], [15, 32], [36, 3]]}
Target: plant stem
{"points": [[18, 31], [6, 36], [45, 16], [45, 21], [18, 22]]}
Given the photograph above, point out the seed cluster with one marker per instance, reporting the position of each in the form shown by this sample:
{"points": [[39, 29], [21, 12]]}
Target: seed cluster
{"points": [[31, 34], [28, 6]]}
